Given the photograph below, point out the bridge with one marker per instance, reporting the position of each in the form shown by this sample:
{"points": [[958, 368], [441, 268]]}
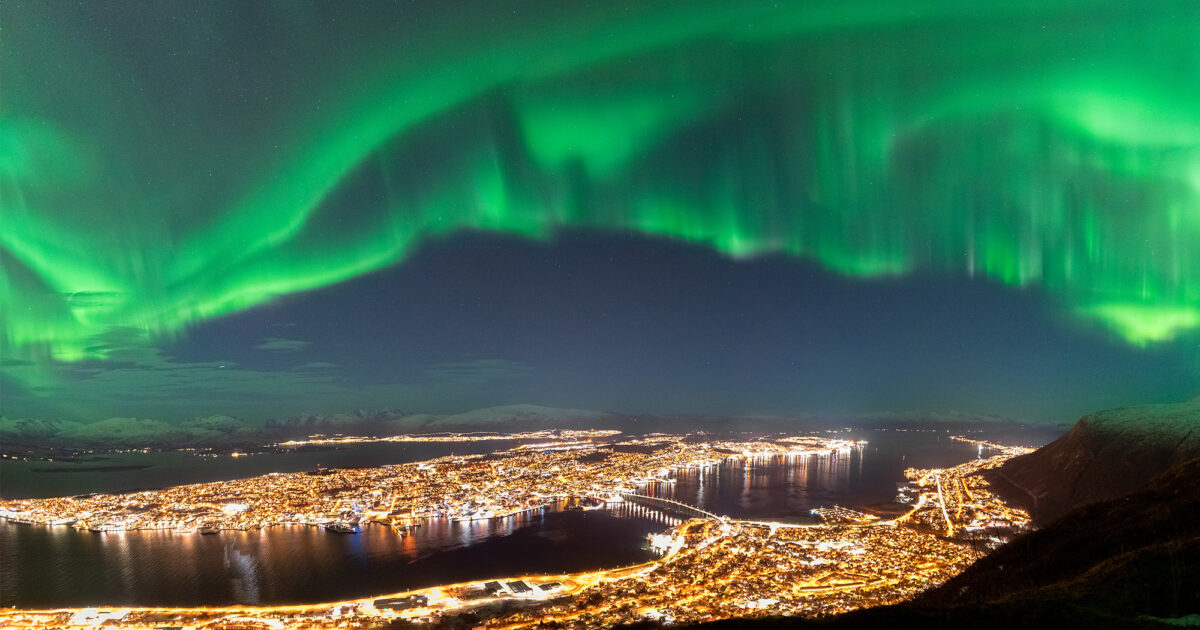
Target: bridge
{"points": [[668, 504]]}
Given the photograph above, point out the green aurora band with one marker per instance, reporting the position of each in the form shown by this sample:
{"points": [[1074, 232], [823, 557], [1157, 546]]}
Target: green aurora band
{"points": [[1034, 143]]}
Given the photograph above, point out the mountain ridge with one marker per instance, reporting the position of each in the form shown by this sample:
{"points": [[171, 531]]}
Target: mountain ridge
{"points": [[218, 431], [1106, 454]]}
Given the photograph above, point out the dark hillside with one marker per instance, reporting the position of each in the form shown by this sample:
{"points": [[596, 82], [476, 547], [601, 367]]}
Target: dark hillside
{"points": [[1105, 455]]}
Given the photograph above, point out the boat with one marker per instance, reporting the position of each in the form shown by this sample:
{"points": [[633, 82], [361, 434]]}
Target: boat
{"points": [[208, 530], [341, 527]]}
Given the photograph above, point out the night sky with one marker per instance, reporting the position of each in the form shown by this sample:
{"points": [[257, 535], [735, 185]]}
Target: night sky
{"points": [[266, 209]]}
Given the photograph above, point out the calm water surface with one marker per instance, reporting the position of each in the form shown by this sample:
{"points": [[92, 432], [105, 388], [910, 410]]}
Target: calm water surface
{"points": [[140, 471], [49, 567]]}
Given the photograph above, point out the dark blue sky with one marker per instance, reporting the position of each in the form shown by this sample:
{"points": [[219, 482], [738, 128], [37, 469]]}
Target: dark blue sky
{"points": [[618, 322]]}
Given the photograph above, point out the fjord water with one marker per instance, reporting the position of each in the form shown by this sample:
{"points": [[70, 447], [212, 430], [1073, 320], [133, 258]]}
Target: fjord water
{"points": [[51, 567], [788, 488], [59, 566], [131, 471]]}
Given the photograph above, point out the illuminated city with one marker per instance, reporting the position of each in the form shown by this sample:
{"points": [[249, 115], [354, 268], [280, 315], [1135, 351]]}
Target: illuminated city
{"points": [[710, 567], [527, 477]]}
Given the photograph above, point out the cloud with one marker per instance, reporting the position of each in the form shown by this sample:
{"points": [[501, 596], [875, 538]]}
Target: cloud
{"points": [[279, 344], [476, 371], [317, 366], [146, 382]]}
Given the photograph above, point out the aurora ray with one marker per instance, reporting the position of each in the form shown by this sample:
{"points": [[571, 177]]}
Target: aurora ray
{"points": [[1048, 144]]}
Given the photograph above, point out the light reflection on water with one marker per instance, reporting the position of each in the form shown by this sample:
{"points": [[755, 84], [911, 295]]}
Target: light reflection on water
{"points": [[784, 487], [788, 487], [60, 566]]}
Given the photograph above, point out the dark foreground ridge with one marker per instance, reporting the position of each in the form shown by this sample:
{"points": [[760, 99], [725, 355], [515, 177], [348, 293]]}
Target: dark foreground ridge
{"points": [[1105, 455]]}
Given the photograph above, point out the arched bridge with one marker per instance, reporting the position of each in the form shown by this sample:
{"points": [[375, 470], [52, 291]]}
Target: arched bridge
{"points": [[669, 504]]}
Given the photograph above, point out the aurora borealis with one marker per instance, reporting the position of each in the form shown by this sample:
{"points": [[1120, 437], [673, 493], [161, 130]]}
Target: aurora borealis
{"points": [[164, 167]]}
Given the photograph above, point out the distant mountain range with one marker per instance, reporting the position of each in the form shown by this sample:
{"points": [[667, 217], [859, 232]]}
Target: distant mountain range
{"points": [[23, 434], [217, 431]]}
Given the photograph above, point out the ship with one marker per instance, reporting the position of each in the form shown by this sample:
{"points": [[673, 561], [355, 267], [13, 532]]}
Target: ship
{"points": [[341, 527], [208, 530]]}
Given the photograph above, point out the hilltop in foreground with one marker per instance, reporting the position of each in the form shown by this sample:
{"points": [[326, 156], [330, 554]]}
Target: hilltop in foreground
{"points": [[1105, 455]]}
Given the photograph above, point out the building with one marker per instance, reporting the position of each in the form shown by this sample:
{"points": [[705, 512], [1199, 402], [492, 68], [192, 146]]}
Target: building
{"points": [[520, 587], [401, 603]]}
